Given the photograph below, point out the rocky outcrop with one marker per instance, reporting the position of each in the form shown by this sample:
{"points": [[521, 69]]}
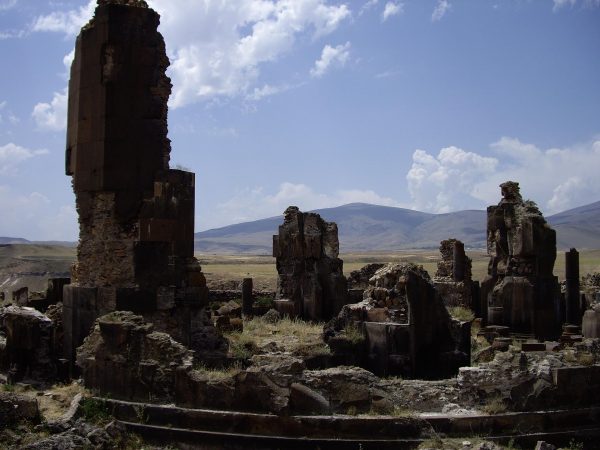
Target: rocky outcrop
{"points": [[520, 290], [15, 408], [310, 279]]}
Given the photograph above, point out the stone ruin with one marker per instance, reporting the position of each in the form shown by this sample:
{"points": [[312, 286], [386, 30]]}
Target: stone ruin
{"points": [[136, 215], [406, 327], [310, 281], [520, 290], [453, 276]]}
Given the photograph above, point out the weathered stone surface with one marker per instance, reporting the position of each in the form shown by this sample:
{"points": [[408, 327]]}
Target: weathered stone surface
{"points": [[136, 215], [573, 306], [15, 408], [520, 290], [452, 279], [591, 323], [29, 351], [124, 357], [310, 276], [406, 327]]}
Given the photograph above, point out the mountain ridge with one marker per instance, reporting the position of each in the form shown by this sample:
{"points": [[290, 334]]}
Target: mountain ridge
{"points": [[366, 227]]}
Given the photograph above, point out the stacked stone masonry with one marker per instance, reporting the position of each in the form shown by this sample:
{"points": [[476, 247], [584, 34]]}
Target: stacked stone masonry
{"points": [[136, 216], [520, 290], [310, 280]]}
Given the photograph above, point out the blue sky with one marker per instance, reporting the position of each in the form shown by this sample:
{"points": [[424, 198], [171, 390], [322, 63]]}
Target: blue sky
{"points": [[426, 104]]}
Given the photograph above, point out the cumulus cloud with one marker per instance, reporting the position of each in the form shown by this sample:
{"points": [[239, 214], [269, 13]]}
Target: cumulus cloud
{"points": [[391, 9], [445, 183], [253, 204], [331, 57], [67, 22], [442, 7], [556, 178], [34, 216], [217, 48], [11, 155], [52, 116]]}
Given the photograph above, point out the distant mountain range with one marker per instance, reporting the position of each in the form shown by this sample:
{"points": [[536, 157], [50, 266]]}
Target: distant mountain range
{"points": [[364, 227]]}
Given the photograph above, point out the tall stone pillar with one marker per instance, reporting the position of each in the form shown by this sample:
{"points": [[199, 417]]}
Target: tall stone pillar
{"points": [[572, 294], [136, 215], [247, 298]]}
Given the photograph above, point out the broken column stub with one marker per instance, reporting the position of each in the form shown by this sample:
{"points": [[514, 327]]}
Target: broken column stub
{"points": [[310, 282], [136, 216], [520, 290], [453, 276], [573, 307]]}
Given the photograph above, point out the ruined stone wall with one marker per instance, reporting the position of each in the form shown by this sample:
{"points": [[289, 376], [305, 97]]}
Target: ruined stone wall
{"points": [[453, 276], [136, 216], [407, 328], [310, 281], [520, 290]]}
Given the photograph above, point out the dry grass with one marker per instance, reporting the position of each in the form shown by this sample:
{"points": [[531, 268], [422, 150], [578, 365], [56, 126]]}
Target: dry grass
{"points": [[287, 335], [461, 313], [226, 271], [223, 374]]}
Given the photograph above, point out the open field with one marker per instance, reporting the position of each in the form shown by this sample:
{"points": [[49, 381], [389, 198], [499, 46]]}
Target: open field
{"points": [[31, 265], [226, 271]]}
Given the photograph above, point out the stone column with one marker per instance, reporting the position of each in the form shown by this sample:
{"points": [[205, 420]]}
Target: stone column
{"points": [[458, 261], [572, 295], [247, 298]]}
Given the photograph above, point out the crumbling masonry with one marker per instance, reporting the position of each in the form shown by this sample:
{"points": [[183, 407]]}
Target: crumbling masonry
{"points": [[136, 216], [310, 281], [520, 290]]}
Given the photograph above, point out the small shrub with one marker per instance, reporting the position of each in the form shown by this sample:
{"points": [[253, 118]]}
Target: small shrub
{"points": [[573, 445], [242, 346], [8, 387], [94, 410], [352, 411], [264, 302], [402, 412], [585, 359], [354, 334], [461, 313], [221, 374], [495, 406]]}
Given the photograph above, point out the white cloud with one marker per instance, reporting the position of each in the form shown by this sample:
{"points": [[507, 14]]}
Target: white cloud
{"points": [[331, 57], [5, 5], [34, 216], [556, 179], [445, 183], [253, 204], [11, 155], [367, 6], [67, 22], [391, 9], [442, 7], [217, 48], [558, 4], [267, 90], [52, 116]]}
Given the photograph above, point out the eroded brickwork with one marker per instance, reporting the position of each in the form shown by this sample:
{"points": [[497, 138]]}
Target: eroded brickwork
{"points": [[136, 215]]}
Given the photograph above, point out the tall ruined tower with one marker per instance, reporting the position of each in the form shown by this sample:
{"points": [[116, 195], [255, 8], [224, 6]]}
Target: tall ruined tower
{"points": [[521, 290], [136, 216]]}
